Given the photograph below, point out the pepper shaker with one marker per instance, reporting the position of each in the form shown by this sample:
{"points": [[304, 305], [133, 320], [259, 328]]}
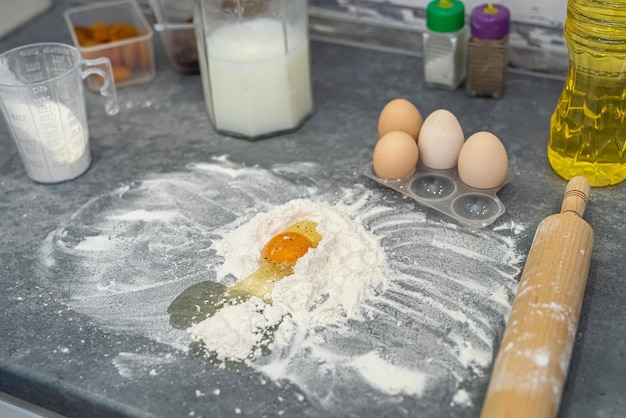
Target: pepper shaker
{"points": [[487, 50], [445, 44]]}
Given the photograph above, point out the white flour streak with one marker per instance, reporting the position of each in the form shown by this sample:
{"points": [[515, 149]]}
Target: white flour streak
{"points": [[387, 377], [392, 223], [514, 227], [468, 355], [459, 250], [231, 172], [462, 397], [97, 243], [423, 344], [144, 215], [130, 365]]}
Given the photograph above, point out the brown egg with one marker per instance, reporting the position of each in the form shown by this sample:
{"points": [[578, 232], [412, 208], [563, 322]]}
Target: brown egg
{"points": [[395, 155], [400, 115], [483, 162]]}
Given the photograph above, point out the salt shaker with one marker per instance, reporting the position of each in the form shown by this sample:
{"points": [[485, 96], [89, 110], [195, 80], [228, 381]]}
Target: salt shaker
{"points": [[445, 44], [487, 50]]}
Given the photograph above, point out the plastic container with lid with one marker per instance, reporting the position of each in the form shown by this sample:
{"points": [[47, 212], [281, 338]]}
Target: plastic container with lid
{"points": [[132, 58], [445, 44], [587, 135], [487, 50], [173, 21]]}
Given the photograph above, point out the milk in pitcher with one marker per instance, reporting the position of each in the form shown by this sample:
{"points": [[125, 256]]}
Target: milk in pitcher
{"points": [[259, 80]]}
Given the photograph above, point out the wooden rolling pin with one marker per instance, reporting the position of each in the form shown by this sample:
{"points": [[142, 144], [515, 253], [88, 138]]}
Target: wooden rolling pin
{"points": [[532, 363]]}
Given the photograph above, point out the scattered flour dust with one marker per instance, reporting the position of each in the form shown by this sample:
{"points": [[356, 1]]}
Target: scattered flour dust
{"points": [[462, 397], [396, 310]]}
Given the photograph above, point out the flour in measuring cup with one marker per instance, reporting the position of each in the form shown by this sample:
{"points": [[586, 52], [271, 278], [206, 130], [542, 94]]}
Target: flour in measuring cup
{"points": [[51, 133]]}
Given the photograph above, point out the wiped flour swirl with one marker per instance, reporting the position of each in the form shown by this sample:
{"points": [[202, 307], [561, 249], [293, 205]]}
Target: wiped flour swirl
{"points": [[421, 337]]}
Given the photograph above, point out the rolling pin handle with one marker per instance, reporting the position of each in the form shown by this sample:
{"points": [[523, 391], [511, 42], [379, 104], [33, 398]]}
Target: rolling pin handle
{"points": [[576, 196], [531, 366]]}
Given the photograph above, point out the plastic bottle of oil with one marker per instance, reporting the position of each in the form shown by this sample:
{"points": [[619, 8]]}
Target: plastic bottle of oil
{"points": [[588, 126]]}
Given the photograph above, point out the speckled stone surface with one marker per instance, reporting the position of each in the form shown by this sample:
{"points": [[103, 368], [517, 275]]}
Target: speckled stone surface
{"points": [[163, 126]]}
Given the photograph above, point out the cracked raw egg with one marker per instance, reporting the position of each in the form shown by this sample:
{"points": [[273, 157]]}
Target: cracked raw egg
{"points": [[277, 260], [284, 249]]}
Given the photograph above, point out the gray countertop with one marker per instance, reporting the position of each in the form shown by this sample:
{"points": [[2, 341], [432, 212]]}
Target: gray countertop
{"points": [[65, 356]]}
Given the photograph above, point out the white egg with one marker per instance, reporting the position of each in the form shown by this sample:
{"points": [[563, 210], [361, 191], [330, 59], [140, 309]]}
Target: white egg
{"points": [[440, 140]]}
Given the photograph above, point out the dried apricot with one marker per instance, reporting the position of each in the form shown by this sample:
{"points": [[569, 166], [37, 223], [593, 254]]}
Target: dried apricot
{"points": [[83, 35], [103, 32], [121, 73], [121, 31]]}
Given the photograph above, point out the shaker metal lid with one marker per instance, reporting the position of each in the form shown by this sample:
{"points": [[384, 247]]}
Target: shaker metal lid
{"points": [[445, 15], [490, 21]]}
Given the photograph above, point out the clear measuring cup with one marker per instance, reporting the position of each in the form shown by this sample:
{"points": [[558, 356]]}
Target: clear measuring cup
{"points": [[41, 97]]}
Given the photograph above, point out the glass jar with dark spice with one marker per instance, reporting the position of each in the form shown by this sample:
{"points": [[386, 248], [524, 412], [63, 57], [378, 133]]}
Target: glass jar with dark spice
{"points": [[487, 50]]}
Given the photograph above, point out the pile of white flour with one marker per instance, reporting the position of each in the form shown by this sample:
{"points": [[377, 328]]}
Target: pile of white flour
{"points": [[329, 282]]}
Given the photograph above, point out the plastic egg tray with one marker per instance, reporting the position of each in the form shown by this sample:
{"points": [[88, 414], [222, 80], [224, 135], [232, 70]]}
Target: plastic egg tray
{"points": [[444, 191]]}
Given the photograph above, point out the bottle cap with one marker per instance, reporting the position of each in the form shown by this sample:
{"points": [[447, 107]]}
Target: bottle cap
{"points": [[445, 15], [490, 21]]}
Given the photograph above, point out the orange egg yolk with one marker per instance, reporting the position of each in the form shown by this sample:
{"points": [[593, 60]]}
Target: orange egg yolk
{"points": [[286, 248]]}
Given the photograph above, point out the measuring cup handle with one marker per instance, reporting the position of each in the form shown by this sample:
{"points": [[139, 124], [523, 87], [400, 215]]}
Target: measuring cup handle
{"points": [[102, 67]]}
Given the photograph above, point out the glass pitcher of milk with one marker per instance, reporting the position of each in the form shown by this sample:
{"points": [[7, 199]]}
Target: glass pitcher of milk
{"points": [[254, 65]]}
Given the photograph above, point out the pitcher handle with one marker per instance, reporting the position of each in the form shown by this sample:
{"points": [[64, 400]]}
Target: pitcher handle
{"points": [[159, 15], [102, 67]]}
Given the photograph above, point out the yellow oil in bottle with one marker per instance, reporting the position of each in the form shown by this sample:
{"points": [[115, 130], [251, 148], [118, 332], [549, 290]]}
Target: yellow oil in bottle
{"points": [[588, 126]]}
